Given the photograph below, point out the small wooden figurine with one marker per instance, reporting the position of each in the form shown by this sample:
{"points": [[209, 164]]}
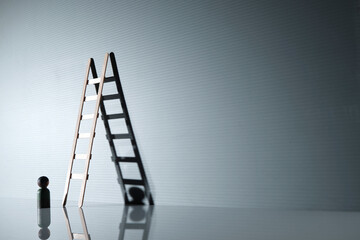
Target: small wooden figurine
{"points": [[43, 201], [43, 194]]}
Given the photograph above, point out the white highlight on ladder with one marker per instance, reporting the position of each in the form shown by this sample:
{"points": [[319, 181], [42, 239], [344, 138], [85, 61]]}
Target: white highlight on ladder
{"points": [[94, 81], [84, 135], [87, 116], [81, 156], [91, 98]]}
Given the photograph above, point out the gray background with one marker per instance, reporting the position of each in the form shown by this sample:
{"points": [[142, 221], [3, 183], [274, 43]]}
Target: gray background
{"points": [[233, 103]]}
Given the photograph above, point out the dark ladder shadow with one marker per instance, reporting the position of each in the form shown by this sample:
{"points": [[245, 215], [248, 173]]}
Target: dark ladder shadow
{"points": [[85, 235], [128, 186], [139, 219]]}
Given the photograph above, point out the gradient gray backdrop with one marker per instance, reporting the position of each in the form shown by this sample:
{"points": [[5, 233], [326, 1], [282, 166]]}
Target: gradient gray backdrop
{"points": [[234, 103]]}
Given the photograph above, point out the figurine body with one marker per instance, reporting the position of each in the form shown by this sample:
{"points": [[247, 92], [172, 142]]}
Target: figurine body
{"points": [[43, 194]]}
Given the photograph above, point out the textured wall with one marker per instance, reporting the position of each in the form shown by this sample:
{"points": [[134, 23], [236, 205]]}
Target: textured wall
{"points": [[233, 103]]}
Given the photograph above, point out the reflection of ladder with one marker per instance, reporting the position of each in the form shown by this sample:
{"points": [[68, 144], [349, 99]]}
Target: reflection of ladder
{"points": [[134, 223], [99, 82], [73, 236]]}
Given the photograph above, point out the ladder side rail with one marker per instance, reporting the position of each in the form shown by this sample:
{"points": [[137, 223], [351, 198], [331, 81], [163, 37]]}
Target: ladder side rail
{"points": [[103, 113], [121, 182], [91, 141], [130, 129], [83, 224], [68, 227], [68, 176], [122, 226], [148, 222], [110, 140]]}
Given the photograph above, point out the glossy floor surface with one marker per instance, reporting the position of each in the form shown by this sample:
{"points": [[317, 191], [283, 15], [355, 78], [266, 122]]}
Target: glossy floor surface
{"points": [[20, 219]]}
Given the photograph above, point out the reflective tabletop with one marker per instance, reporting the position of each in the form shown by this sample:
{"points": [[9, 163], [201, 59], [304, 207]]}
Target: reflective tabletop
{"points": [[20, 219]]}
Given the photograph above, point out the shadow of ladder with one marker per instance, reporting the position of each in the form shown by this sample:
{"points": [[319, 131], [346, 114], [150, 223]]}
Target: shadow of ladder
{"points": [[130, 135]]}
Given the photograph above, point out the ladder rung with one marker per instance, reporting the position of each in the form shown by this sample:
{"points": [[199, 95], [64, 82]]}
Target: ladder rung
{"points": [[78, 176], [81, 156], [97, 80], [91, 98], [113, 116], [78, 236], [119, 136], [135, 226], [133, 182], [87, 116], [109, 79], [84, 135], [94, 81], [124, 159], [111, 97]]}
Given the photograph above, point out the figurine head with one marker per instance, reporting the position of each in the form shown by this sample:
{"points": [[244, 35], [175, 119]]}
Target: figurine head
{"points": [[43, 182]]}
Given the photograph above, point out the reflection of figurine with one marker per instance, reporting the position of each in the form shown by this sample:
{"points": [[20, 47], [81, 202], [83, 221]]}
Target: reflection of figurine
{"points": [[44, 220], [43, 195], [44, 233]]}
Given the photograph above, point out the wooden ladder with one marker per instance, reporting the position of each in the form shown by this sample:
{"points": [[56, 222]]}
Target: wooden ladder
{"points": [[98, 82], [85, 156]]}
